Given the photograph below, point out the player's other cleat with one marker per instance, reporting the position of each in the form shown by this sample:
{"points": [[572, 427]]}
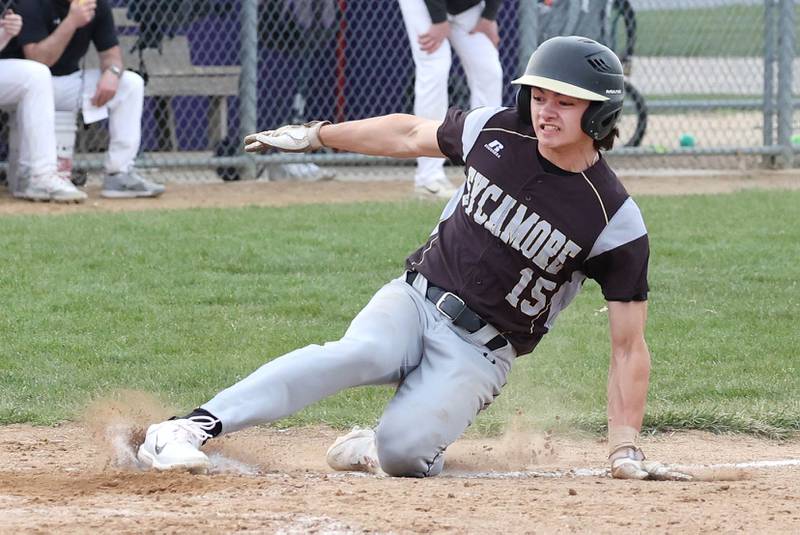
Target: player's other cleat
{"points": [[301, 172], [355, 452], [51, 187], [440, 188], [175, 444], [128, 186]]}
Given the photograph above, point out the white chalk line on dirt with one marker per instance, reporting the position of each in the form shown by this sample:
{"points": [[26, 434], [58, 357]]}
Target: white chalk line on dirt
{"points": [[604, 472], [119, 437]]}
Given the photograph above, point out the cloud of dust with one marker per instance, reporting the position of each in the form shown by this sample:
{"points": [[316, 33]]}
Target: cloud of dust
{"points": [[522, 446], [118, 422]]}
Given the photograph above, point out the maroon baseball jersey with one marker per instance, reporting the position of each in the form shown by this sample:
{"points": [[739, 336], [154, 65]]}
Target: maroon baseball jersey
{"points": [[521, 236]]}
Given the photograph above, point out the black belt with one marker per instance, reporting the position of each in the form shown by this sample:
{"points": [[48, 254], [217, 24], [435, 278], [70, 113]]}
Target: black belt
{"points": [[454, 308]]}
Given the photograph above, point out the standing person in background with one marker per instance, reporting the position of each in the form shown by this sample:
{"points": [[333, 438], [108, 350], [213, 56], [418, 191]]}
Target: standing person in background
{"points": [[470, 26], [29, 86], [57, 33]]}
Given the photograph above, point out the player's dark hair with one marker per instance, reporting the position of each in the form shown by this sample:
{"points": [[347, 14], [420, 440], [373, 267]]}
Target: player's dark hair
{"points": [[607, 143]]}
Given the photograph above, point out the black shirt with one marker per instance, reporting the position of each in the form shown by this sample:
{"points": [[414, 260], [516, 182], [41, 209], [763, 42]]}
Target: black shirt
{"points": [[40, 18], [519, 239], [440, 8]]}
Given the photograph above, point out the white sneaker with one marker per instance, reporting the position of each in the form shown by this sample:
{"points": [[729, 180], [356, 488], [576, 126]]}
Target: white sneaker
{"points": [[355, 452], [175, 444], [51, 187], [302, 172], [439, 188]]}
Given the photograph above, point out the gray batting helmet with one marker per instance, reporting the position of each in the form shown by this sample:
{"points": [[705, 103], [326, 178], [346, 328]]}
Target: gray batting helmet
{"points": [[581, 68]]}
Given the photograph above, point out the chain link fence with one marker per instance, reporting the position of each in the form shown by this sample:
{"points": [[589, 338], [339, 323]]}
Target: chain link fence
{"points": [[705, 78], [711, 81]]}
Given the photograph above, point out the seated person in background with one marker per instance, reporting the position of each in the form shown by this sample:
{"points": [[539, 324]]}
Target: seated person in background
{"points": [[57, 33], [28, 86]]}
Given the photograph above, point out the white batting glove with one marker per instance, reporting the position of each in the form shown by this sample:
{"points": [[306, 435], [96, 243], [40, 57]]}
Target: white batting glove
{"points": [[289, 138], [630, 463]]}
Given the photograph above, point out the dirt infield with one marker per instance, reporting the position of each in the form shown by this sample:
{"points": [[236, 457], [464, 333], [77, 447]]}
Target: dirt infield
{"points": [[81, 477], [71, 479]]}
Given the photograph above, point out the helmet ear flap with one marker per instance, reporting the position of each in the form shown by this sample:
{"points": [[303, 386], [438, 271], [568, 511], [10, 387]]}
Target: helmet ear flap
{"points": [[600, 118], [524, 103]]}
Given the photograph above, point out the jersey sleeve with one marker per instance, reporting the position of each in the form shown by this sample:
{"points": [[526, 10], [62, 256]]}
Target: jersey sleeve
{"points": [[619, 258], [622, 272], [450, 135], [104, 35], [34, 23]]}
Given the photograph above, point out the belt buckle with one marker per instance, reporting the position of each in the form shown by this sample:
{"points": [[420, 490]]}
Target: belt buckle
{"points": [[440, 301]]}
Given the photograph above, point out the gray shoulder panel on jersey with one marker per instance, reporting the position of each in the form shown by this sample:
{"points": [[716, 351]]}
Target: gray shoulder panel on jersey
{"points": [[625, 226], [450, 207], [473, 124]]}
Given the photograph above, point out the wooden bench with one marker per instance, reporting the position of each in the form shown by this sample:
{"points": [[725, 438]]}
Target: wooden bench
{"points": [[171, 74]]}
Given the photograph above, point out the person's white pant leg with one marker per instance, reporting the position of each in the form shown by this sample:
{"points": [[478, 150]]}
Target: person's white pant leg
{"points": [[479, 57], [125, 123], [27, 85], [124, 112], [67, 91], [430, 86]]}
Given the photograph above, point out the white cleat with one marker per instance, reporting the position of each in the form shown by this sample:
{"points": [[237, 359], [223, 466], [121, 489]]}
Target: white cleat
{"points": [[355, 452], [175, 444], [440, 188]]}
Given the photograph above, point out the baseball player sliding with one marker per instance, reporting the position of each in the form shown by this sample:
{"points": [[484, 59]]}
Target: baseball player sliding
{"points": [[540, 211]]}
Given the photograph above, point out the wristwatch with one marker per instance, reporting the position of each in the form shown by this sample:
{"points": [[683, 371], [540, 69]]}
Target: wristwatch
{"points": [[115, 70]]}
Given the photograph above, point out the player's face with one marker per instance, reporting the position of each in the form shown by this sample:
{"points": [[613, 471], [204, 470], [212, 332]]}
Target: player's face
{"points": [[556, 119]]}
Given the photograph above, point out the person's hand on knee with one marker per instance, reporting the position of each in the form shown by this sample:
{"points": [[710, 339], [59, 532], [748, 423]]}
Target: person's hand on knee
{"points": [[489, 29], [431, 40]]}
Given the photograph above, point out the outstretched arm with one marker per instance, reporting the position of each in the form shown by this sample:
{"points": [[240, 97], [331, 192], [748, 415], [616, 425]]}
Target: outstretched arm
{"points": [[397, 135]]}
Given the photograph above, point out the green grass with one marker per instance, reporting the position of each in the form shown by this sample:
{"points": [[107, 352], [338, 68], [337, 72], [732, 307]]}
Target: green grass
{"points": [[181, 304], [735, 30]]}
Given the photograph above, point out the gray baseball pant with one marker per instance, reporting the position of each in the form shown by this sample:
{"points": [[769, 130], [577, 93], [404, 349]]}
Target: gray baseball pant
{"points": [[446, 376]]}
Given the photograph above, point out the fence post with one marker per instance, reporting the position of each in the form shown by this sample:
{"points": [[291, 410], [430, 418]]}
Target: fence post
{"points": [[768, 104], [528, 32], [248, 109], [786, 43]]}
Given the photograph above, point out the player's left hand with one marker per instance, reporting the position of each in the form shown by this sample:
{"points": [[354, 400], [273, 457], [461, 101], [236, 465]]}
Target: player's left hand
{"points": [[489, 29], [289, 138], [630, 463], [106, 88]]}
